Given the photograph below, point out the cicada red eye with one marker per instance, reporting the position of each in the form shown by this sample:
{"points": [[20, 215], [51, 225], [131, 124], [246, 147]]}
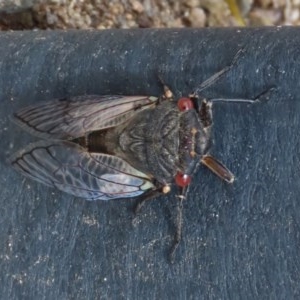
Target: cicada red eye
{"points": [[185, 104], [182, 180]]}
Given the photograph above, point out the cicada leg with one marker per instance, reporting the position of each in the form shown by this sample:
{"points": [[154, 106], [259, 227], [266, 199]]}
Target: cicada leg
{"points": [[179, 222], [149, 195], [168, 95], [217, 76], [218, 168], [206, 114]]}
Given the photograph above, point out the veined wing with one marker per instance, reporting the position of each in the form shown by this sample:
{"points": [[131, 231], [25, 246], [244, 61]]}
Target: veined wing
{"points": [[71, 169], [74, 117]]}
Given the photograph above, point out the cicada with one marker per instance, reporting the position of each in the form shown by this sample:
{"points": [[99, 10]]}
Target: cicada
{"points": [[112, 147]]}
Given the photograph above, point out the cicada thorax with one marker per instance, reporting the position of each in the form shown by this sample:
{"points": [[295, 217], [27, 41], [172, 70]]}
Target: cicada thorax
{"points": [[150, 141]]}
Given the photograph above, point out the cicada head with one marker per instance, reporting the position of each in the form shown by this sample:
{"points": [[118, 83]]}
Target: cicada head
{"points": [[194, 137]]}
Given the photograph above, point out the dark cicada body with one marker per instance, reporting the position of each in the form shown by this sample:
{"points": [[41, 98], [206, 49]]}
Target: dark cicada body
{"points": [[108, 147]]}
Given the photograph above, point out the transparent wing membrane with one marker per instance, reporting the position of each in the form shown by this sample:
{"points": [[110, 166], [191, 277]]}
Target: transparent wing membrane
{"points": [[70, 168], [76, 116]]}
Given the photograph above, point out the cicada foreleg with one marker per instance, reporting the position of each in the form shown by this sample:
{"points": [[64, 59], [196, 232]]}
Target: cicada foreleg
{"points": [[217, 76], [206, 114], [217, 168], [209, 161]]}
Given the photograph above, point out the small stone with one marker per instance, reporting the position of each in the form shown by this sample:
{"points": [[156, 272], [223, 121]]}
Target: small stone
{"points": [[192, 3], [197, 17], [128, 16], [144, 21], [137, 6], [264, 3], [177, 23]]}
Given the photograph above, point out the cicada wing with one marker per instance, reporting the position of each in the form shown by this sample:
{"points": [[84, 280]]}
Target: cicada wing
{"points": [[68, 167], [74, 117]]}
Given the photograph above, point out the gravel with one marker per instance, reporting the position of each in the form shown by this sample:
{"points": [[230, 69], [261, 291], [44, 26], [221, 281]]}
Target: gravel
{"points": [[102, 14]]}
